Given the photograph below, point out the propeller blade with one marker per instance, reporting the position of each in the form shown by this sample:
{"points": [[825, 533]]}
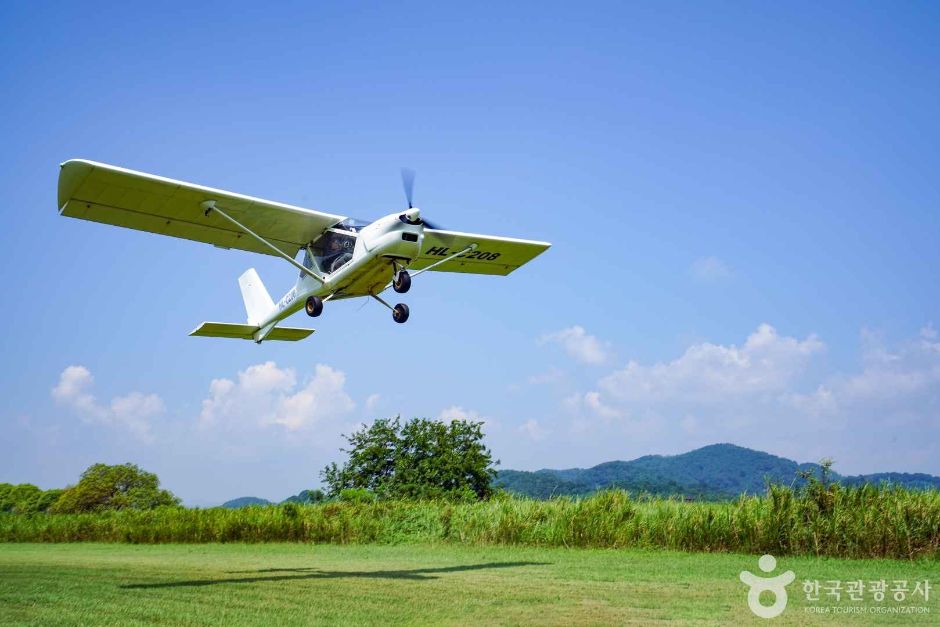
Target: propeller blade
{"points": [[408, 182]]}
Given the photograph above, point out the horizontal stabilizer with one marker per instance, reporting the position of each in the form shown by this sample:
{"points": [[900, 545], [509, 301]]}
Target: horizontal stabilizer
{"points": [[247, 331]]}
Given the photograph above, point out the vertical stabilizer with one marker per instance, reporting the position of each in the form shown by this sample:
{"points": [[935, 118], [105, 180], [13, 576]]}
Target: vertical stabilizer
{"points": [[258, 302]]}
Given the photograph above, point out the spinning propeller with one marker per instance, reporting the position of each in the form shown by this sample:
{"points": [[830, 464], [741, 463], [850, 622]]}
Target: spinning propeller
{"points": [[408, 183]]}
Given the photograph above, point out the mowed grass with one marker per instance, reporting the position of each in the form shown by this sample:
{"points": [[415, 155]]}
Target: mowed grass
{"points": [[286, 584]]}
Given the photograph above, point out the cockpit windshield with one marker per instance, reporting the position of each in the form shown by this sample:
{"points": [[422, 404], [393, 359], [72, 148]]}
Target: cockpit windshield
{"points": [[352, 224], [331, 251]]}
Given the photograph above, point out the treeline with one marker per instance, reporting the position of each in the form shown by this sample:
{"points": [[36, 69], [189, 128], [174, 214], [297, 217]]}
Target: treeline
{"points": [[827, 520], [25, 498], [101, 488]]}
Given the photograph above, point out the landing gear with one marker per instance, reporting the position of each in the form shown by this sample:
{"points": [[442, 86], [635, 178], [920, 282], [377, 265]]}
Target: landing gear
{"points": [[314, 306], [400, 312], [402, 282]]}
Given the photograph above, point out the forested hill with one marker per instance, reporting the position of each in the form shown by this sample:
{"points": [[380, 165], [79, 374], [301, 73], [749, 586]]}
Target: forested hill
{"points": [[714, 472], [305, 496], [245, 501]]}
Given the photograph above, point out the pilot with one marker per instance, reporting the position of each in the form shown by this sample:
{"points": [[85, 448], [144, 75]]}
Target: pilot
{"points": [[336, 254]]}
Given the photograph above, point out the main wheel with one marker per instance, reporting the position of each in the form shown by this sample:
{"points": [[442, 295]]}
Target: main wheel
{"points": [[402, 282], [314, 306], [400, 313]]}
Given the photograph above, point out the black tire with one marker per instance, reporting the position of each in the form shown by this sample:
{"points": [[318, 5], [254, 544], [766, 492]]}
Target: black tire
{"points": [[402, 282], [400, 313], [314, 306]]}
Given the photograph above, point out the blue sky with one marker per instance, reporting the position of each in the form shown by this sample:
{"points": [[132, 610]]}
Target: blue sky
{"points": [[742, 201]]}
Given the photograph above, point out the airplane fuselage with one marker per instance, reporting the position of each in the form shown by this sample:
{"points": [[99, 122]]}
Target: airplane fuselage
{"points": [[379, 247]]}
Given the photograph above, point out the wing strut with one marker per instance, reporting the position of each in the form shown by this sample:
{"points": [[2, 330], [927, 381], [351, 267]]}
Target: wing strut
{"points": [[209, 206]]}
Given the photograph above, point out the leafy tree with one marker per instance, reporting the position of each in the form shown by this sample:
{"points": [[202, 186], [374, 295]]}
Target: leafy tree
{"points": [[48, 498], [371, 462], [26, 498], [19, 499], [420, 459], [6, 503], [104, 487]]}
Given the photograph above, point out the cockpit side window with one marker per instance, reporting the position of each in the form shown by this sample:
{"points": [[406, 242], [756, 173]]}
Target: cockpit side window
{"points": [[331, 251]]}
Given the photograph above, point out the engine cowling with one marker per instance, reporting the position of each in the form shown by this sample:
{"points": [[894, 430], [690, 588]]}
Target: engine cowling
{"points": [[397, 235]]}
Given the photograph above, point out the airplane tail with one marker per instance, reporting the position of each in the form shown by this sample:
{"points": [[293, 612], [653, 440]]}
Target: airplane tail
{"points": [[259, 306], [258, 303]]}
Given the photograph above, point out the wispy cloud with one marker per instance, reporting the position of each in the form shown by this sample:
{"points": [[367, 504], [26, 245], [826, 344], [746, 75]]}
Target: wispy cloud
{"points": [[456, 412], [552, 375], [131, 412], [579, 345], [710, 270], [533, 430]]}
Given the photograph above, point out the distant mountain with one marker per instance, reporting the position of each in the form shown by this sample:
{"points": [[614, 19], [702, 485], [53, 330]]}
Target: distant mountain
{"points": [[305, 496], [719, 471], [917, 481], [245, 501]]}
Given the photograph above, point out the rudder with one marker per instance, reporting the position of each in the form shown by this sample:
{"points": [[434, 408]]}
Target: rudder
{"points": [[258, 303]]}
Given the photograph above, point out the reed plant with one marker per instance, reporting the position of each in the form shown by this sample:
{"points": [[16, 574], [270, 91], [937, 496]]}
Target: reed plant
{"points": [[826, 520]]}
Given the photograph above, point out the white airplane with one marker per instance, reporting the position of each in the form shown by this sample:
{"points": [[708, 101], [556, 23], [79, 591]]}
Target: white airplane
{"points": [[342, 257]]}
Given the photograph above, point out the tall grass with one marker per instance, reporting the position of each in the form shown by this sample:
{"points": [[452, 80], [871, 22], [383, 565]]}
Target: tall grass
{"points": [[859, 522]]}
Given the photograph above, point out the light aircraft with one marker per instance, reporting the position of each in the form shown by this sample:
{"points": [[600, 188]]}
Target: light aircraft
{"points": [[342, 257]]}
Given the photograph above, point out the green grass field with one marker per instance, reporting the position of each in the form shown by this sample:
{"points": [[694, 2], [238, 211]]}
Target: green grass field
{"points": [[277, 584]]}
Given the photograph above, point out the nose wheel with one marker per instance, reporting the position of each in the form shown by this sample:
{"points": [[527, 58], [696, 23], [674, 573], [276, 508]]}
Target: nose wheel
{"points": [[399, 312], [402, 283]]}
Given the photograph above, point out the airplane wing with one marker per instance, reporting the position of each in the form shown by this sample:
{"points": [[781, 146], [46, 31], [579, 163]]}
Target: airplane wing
{"points": [[493, 255], [112, 195]]}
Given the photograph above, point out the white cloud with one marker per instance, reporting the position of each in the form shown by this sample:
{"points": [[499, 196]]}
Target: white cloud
{"points": [[552, 375], [710, 270], [265, 394], [712, 373], [594, 402], [456, 412], [72, 390], [771, 393], [533, 430], [372, 400], [132, 412], [579, 344], [889, 377]]}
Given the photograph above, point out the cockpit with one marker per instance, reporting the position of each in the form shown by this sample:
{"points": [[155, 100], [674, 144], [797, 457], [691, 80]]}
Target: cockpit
{"points": [[331, 251], [334, 249]]}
